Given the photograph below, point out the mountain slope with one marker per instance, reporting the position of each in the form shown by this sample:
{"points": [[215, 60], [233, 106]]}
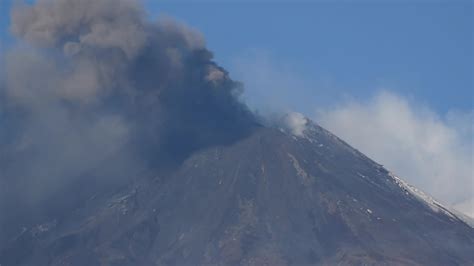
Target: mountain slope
{"points": [[269, 199]]}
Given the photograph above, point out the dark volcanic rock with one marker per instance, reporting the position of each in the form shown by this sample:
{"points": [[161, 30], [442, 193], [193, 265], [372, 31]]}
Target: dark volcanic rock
{"points": [[268, 199]]}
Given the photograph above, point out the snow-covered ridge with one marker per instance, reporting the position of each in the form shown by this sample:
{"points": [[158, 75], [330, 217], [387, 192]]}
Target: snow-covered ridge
{"points": [[428, 200], [300, 127]]}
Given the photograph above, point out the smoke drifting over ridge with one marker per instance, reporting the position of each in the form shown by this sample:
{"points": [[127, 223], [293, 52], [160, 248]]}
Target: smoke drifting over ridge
{"points": [[94, 83]]}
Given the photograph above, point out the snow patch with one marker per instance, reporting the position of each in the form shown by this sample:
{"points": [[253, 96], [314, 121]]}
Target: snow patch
{"points": [[305, 178], [428, 200]]}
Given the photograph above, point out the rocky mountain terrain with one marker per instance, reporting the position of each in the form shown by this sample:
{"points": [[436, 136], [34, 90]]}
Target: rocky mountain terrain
{"points": [[271, 198]]}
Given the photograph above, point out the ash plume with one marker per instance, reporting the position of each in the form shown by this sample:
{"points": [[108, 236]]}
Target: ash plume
{"points": [[95, 84]]}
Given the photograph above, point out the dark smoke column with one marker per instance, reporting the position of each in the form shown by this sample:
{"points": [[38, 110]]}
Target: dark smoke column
{"points": [[95, 84]]}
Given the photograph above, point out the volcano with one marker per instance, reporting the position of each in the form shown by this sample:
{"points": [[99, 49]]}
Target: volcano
{"points": [[123, 142], [269, 198]]}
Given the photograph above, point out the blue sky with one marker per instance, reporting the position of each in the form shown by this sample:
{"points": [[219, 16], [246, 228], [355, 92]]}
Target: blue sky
{"points": [[419, 49]]}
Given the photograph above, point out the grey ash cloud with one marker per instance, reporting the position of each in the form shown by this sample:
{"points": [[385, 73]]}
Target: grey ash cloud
{"points": [[91, 82]]}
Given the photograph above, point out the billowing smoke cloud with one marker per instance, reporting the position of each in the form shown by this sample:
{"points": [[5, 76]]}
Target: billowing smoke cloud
{"points": [[93, 84], [428, 151]]}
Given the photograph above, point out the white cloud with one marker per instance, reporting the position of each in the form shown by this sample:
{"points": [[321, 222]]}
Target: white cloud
{"points": [[431, 152], [467, 207]]}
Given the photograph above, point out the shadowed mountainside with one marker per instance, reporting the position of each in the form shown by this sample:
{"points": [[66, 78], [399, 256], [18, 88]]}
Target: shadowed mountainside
{"points": [[268, 199]]}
